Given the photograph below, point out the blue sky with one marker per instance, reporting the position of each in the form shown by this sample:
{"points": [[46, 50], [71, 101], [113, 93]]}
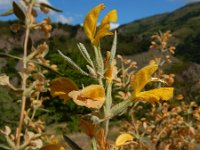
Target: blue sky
{"points": [[128, 10]]}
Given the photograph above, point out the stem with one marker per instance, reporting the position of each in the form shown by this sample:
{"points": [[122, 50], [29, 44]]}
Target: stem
{"points": [[107, 127], [24, 75], [100, 65], [24, 145], [108, 108], [94, 144]]}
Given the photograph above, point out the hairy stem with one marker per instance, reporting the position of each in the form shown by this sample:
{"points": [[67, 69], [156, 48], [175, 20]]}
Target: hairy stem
{"points": [[24, 75], [94, 144], [99, 63], [108, 107]]}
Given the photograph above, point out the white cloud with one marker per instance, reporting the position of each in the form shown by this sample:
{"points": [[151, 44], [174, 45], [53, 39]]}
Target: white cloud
{"points": [[63, 19], [114, 25], [5, 4]]}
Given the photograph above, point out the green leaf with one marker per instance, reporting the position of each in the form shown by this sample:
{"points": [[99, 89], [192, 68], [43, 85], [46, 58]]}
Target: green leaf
{"points": [[73, 64], [42, 65], [49, 69], [10, 56], [113, 52], [18, 12], [117, 109], [108, 98], [4, 147], [114, 48], [50, 7], [7, 13], [85, 54], [99, 61]]}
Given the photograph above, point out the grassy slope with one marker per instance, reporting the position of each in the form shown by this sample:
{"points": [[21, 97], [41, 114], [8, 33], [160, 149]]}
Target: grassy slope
{"points": [[184, 23], [134, 37]]}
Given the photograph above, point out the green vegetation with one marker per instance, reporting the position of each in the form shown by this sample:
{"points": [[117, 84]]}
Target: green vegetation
{"points": [[134, 38], [184, 24]]}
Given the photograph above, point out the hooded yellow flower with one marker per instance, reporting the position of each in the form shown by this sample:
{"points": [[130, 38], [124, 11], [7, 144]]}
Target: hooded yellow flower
{"points": [[141, 78], [123, 139], [90, 24], [92, 96], [61, 87]]}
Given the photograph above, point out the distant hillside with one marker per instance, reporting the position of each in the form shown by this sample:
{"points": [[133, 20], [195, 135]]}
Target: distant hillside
{"points": [[183, 22], [133, 38]]}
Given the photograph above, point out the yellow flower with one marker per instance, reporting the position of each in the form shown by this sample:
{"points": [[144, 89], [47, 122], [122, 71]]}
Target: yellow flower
{"points": [[61, 87], [92, 96], [111, 71], [90, 24], [123, 139], [141, 78]]}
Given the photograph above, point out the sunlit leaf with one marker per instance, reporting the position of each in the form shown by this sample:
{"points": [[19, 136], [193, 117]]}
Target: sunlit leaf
{"points": [[156, 94], [85, 53], [114, 48], [123, 139], [7, 13], [142, 77], [50, 7], [4, 80], [92, 96], [18, 12], [61, 87], [6, 131]]}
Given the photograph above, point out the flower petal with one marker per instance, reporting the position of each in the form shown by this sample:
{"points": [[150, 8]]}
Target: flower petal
{"points": [[122, 139], [110, 17], [111, 71], [155, 95], [142, 77], [104, 28], [95, 92], [88, 128], [100, 138], [90, 21], [92, 96], [61, 87]]}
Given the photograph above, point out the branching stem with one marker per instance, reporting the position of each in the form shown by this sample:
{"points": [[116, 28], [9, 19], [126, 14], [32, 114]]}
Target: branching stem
{"points": [[28, 23]]}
